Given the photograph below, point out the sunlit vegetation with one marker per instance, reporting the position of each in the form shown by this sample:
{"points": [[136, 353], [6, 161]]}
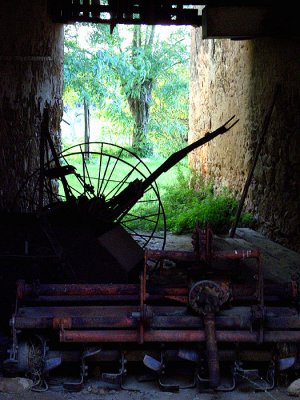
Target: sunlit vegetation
{"points": [[134, 81], [133, 86]]}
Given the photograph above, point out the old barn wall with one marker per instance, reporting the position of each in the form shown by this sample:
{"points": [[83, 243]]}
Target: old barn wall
{"points": [[238, 77], [31, 62]]}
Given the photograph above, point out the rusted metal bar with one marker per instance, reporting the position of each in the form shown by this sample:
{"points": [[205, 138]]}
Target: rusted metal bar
{"points": [[124, 322], [167, 336], [182, 322], [184, 256], [85, 299], [24, 289], [236, 254], [108, 336], [130, 292], [240, 295], [239, 298], [101, 292], [212, 350], [120, 322], [190, 256], [77, 311], [128, 317]]}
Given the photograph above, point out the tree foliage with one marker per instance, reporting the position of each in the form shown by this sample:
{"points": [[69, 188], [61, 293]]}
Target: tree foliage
{"points": [[81, 73], [130, 73]]}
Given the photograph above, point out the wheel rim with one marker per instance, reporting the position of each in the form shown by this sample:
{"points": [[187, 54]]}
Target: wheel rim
{"points": [[102, 172]]}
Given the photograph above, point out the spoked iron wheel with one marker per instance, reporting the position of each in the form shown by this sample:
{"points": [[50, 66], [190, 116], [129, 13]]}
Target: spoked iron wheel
{"points": [[102, 172]]}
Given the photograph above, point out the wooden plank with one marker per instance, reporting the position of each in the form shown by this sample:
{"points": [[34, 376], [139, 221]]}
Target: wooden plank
{"points": [[158, 12]]}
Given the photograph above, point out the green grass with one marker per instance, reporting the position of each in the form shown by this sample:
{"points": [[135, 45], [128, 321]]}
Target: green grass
{"points": [[111, 177], [109, 174], [184, 206]]}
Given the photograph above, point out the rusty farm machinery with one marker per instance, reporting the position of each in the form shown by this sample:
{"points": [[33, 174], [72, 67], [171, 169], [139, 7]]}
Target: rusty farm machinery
{"points": [[99, 295]]}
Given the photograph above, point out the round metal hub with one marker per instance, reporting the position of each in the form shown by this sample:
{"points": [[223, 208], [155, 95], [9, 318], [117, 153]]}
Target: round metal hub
{"points": [[207, 296]]}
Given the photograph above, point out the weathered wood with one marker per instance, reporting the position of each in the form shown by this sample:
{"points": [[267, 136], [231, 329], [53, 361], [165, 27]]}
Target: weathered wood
{"points": [[163, 12], [31, 71]]}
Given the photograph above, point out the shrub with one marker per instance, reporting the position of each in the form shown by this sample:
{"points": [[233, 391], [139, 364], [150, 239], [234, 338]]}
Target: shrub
{"points": [[185, 207]]}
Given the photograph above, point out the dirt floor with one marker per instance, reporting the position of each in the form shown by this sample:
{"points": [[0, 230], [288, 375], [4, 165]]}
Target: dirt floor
{"points": [[279, 264], [148, 391]]}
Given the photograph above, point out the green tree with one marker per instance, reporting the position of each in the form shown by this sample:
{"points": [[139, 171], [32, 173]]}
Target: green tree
{"points": [[81, 78], [134, 62], [169, 110]]}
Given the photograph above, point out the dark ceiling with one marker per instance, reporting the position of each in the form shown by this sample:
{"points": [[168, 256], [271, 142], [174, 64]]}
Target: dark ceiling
{"points": [[127, 11], [235, 19]]}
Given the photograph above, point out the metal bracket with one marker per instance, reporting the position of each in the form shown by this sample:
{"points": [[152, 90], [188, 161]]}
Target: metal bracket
{"points": [[77, 386], [117, 378], [221, 388], [159, 368], [251, 374]]}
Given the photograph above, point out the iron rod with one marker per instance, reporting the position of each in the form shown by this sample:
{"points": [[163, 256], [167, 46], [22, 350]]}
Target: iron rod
{"points": [[212, 350], [121, 336]]}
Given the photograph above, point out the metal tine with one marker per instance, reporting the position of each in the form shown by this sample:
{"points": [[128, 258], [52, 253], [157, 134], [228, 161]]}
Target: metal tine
{"points": [[232, 124], [152, 363], [116, 378]]}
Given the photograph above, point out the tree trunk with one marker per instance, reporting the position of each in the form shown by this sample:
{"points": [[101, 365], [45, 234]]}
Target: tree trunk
{"points": [[86, 129], [139, 108]]}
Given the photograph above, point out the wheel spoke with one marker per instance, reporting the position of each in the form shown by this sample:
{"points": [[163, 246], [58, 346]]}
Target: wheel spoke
{"points": [[118, 187], [139, 217], [86, 171], [101, 191], [114, 170], [99, 170]]}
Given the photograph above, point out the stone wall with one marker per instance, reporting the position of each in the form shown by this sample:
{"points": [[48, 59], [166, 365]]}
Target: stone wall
{"points": [[238, 78], [31, 71]]}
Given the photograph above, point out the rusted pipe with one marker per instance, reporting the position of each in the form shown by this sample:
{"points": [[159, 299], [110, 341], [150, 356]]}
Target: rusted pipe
{"points": [[156, 318], [151, 299], [156, 322], [184, 256], [86, 299], [236, 254], [131, 292], [212, 350], [24, 289], [123, 336], [119, 336]]}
